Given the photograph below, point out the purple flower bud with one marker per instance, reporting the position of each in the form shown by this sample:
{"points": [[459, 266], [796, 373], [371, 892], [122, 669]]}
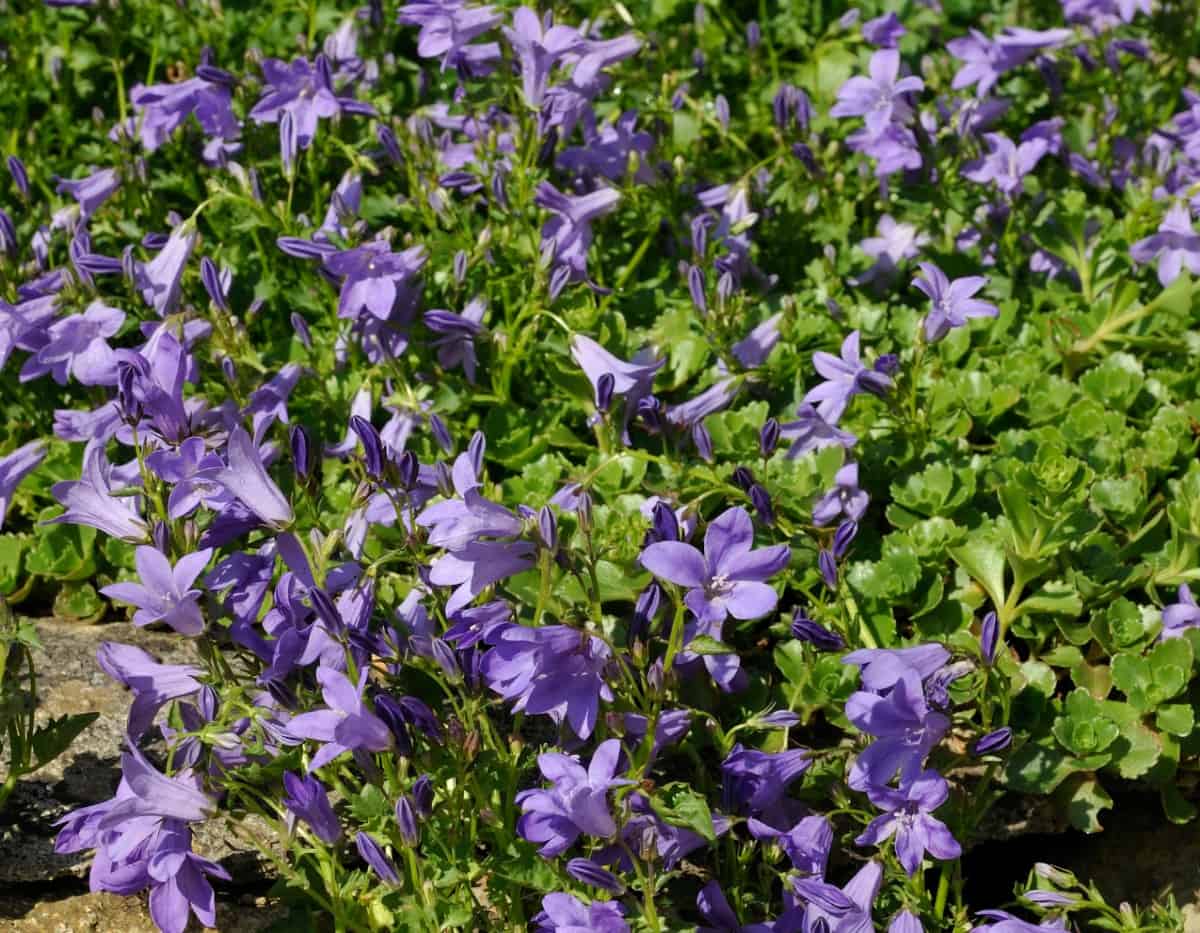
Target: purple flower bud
{"points": [[372, 445], [843, 537], [499, 190], [644, 611], [211, 279], [781, 106], [300, 248], [441, 433], [888, 364], [698, 59], [460, 266], [989, 637], [8, 234], [131, 407], [387, 139], [300, 326], [228, 369], [827, 565], [761, 500], [753, 34], [409, 469], [546, 151], [301, 449], [649, 409], [992, 742], [700, 236], [808, 159], [422, 794], [722, 109], [583, 510], [679, 99], [446, 659], [372, 853], [445, 480], [817, 635], [664, 524], [588, 872], [780, 719], [743, 479], [695, 279], [215, 75], [476, 448], [703, 441], [1055, 875], [289, 142], [406, 819], [20, 177], [726, 286], [161, 536], [768, 437], [604, 391], [547, 528]]}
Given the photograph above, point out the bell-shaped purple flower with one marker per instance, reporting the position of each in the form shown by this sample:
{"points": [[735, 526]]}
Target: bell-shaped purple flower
{"points": [[165, 594], [910, 821]]}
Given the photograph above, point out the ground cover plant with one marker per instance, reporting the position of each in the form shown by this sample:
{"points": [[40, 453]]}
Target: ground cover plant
{"points": [[623, 466]]}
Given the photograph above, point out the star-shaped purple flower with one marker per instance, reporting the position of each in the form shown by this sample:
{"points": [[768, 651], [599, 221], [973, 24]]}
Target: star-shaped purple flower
{"points": [[953, 303], [165, 594]]}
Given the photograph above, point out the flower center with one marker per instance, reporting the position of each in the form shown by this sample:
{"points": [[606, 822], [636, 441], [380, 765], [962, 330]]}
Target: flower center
{"points": [[720, 585]]}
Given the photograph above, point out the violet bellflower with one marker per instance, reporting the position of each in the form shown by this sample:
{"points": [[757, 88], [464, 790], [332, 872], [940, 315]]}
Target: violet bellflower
{"points": [[246, 478], [376, 280], [448, 27], [1180, 616], [553, 670], [565, 913], [567, 235], [539, 47], [893, 244], [909, 820], [456, 333], [91, 191], [1176, 245], [159, 279], [841, 910], [1006, 163], [879, 99], [14, 468], [754, 782], [162, 108], [952, 302], [811, 432], [154, 685], [476, 566], [844, 499], [904, 727], [306, 799], [633, 381], [89, 500], [77, 346], [881, 668], [729, 577], [576, 804], [845, 377], [165, 593], [305, 90], [345, 724]]}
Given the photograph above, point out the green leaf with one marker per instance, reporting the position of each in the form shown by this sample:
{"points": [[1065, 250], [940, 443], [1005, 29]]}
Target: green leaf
{"points": [[983, 559], [678, 804], [704, 644], [1039, 767], [1175, 718], [1084, 798], [52, 739]]}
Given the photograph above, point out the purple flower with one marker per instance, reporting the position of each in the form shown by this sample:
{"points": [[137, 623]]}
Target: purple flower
{"points": [[567, 235], [539, 47], [815, 634], [553, 670], [754, 782], [153, 684], [952, 304], [845, 378], [1175, 245], [632, 381], [909, 818], [986, 60], [577, 802], [305, 91], [719, 916], [78, 346], [14, 468], [894, 243], [89, 500], [989, 637], [306, 799], [375, 280], [588, 872], [1180, 616], [455, 342], [565, 913], [91, 191], [811, 432], [879, 99], [191, 471], [844, 499], [1006, 163], [905, 731], [728, 578], [345, 724], [884, 31], [905, 922], [163, 108], [246, 478], [372, 853], [478, 565], [164, 594], [842, 910], [1007, 923], [881, 668], [447, 29], [753, 349], [159, 279]]}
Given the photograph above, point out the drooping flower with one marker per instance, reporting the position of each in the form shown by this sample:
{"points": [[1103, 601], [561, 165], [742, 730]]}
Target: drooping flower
{"points": [[246, 478], [841, 910], [14, 468], [78, 346], [567, 235], [881, 668], [729, 577], [153, 684], [910, 821], [455, 342], [307, 799], [165, 594], [754, 782], [163, 108], [89, 500], [883, 31], [1176, 245], [633, 381], [159, 279], [376, 280], [91, 191], [577, 802], [553, 669], [952, 304]]}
